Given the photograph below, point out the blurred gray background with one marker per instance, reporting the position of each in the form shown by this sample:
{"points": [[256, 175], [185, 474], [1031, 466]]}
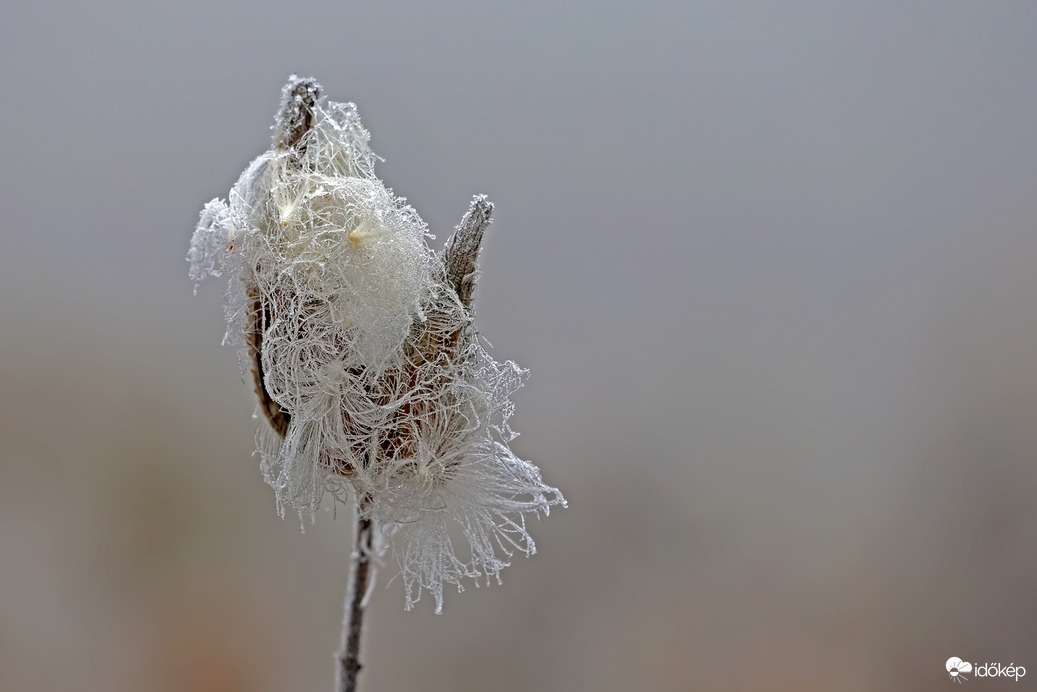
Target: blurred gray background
{"points": [[773, 267]]}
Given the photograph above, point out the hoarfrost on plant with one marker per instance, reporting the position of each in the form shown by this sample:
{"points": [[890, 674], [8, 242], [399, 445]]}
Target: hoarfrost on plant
{"points": [[365, 358]]}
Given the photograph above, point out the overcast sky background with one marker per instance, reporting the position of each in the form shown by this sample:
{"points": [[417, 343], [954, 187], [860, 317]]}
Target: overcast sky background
{"points": [[773, 267]]}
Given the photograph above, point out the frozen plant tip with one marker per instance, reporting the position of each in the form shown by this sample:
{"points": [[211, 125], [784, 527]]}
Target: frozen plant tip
{"points": [[370, 375]]}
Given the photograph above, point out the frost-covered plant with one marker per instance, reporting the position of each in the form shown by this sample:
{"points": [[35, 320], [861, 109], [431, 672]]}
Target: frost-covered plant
{"points": [[367, 365]]}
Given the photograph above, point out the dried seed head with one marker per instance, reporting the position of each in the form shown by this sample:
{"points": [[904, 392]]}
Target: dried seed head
{"points": [[362, 348]]}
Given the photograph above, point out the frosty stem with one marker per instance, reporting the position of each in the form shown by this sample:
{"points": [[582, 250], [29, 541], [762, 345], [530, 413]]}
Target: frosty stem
{"points": [[359, 581]]}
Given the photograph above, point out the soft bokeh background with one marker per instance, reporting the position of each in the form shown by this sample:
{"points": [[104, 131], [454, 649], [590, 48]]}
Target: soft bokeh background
{"points": [[773, 267]]}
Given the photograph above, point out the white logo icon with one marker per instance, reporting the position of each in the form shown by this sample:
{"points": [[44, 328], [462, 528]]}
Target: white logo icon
{"points": [[956, 666]]}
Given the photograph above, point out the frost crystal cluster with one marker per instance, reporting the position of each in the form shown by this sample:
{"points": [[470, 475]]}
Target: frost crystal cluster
{"points": [[361, 345]]}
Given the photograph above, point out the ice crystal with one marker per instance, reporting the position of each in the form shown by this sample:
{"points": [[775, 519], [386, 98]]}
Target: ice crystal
{"points": [[366, 362]]}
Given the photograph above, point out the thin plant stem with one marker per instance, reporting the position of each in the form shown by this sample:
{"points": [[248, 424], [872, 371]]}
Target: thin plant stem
{"points": [[356, 593]]}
